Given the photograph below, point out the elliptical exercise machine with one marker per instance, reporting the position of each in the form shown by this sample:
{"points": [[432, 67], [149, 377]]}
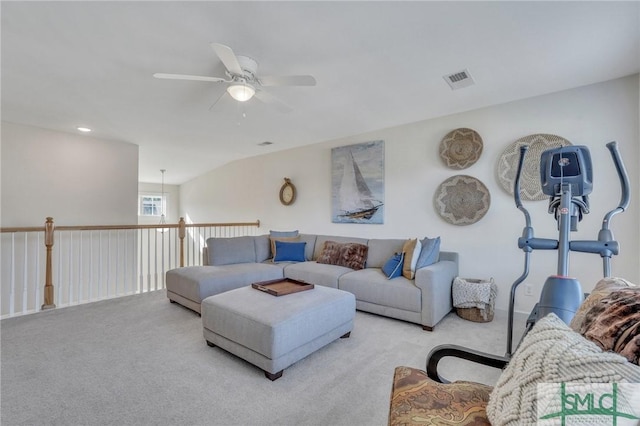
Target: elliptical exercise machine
{"points": [[566, 176]]}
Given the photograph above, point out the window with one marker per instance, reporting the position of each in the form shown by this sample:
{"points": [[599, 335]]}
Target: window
{"points": [[150, 205]]}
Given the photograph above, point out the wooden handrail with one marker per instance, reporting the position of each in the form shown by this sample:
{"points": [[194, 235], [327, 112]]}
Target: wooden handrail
{"points": [[49, 229], [121, 227], [23, 229]]}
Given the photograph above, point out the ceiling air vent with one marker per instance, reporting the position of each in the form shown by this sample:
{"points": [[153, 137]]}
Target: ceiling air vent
{"points": [[265, 143], [459, 79]]}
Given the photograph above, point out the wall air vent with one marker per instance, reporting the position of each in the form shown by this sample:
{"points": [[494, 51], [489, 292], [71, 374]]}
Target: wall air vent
{"points": [[459, 79]]}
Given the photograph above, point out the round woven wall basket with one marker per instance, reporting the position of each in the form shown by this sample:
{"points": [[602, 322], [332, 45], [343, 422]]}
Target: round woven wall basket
{"points": [[460, 148], [462, 200], [507, 166]]}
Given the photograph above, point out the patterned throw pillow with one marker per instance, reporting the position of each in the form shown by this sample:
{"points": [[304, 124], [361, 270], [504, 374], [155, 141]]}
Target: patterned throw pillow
{"points": [[551, 353], [614, 323], [350, 255], [602, 289]]}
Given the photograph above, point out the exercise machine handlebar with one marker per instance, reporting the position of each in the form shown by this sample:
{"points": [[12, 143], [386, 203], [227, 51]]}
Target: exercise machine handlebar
{"points": [[624, 183], [516, 185], [606, 246]]}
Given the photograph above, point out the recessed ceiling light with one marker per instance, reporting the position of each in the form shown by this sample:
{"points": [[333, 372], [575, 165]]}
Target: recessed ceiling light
{"points": [[84, 129]]}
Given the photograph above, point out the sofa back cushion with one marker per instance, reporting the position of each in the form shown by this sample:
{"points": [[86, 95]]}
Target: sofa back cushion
{"points": [[310, 239], [381, 250], [227, 251], [263, 248], [321, 239]]}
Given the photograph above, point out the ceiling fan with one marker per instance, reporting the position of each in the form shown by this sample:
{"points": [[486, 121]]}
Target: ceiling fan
{"points": [[243, 80]]}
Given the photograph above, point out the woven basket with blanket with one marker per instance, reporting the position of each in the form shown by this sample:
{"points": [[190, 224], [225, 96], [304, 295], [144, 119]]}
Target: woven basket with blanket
{"points": [[474, 299]]}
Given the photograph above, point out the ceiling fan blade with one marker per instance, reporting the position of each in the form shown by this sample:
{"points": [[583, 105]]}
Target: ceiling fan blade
{"points": [[272, 101], [189, 77], [224, 92], [228, 58], [288, 80]]}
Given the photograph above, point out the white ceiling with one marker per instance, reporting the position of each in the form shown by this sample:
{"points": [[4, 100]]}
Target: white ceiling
{"points": [[377, 64]]}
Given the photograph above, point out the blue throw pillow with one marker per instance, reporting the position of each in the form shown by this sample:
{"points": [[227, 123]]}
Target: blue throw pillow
{"points": [[283, 233], [289, 252], [393, 267], [430, 252]]}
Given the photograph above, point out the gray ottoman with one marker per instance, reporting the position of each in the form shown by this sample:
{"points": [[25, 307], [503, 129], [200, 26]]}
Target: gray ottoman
{"points": [[274, 332]]}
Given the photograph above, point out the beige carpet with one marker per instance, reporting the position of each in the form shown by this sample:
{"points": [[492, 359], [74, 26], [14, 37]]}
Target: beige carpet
{"points": [[140, 360]]}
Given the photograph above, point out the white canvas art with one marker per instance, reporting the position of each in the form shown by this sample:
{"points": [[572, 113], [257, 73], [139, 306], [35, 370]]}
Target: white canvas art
{"points": [[357, 183]]}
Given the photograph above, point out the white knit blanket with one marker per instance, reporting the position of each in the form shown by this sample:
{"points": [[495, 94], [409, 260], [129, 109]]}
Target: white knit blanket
{"points": [[551, 354], [473, 293]]}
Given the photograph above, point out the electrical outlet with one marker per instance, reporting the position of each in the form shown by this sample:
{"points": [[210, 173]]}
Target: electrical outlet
{"points": [[528, 290]]}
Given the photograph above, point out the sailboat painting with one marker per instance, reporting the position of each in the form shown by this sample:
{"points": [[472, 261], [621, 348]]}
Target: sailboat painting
{"points": [[357, 183]]}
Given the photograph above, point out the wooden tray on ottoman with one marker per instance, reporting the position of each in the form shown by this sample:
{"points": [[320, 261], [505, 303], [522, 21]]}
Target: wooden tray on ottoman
{"points": [[282, 286]]}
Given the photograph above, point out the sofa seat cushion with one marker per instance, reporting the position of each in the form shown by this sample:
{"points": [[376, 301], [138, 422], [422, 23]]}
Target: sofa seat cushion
{"points": [[371, 285], [316, 273], [199, 282], [416, 399]]}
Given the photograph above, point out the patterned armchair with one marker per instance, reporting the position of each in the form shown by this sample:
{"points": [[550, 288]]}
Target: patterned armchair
{"points": [[424, 398]]}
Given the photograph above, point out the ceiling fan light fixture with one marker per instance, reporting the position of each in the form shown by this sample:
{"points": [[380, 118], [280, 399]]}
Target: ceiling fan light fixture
{"points": [[241, 92]]}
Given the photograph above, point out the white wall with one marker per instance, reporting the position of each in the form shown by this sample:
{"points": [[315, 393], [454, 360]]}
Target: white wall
{"points": [[591, 115], [232, 193], [76, 179]]}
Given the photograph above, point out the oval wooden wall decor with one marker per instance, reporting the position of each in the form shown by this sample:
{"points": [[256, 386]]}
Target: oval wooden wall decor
{"points": [[460, 148], [462, 200], [507, 167]]}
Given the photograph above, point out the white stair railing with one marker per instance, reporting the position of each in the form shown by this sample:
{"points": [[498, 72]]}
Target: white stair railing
{"points": [[81, 264]]}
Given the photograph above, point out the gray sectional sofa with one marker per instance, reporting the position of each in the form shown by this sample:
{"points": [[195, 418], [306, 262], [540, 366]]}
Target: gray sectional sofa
{"points": [[240, 261]]}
